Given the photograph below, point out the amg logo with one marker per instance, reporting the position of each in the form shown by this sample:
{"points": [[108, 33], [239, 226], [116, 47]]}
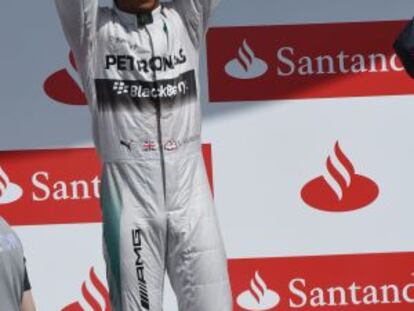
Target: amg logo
{"points": [[139, 267], [156, 63]]}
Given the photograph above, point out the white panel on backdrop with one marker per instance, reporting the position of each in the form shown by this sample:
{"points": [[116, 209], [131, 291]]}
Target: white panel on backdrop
{"points": [[59, 259], [273, 149]]}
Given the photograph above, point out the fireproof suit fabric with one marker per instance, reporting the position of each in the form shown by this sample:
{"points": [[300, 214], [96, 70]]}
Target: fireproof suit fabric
{"points": [[13, 274], [143, 92]]}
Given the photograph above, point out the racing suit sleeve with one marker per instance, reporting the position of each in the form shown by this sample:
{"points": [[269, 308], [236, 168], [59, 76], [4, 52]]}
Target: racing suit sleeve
{"points": [[78, 18], [26, 282], [196, 14]]}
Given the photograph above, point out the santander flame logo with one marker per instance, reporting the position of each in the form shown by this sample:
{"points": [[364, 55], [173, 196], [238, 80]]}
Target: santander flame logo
{"points": [[99, 302], [258, 296], [63, 87], [9, 192], [342, 189], [246, 65]]}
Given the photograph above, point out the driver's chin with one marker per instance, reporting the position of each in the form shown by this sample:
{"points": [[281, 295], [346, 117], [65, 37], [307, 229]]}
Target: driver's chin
{"points": [[136, 5]]}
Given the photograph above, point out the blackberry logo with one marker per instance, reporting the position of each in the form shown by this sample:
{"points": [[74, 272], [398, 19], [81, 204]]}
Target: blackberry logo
{"points": [[120, 88]]}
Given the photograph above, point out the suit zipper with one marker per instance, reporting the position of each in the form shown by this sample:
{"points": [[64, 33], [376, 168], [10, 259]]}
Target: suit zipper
{"points": [[157, 104]]}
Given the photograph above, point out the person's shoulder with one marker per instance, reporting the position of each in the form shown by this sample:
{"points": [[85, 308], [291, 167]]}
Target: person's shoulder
{"points": [[3, 222], [169, 10], [174, 14], [105, 15], [105, 11], [4, 226]]}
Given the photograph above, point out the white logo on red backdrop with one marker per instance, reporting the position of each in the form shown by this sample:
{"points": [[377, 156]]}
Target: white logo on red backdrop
{"points": [[9, 191], [246, 65], [258, 296], [375, 282], [342, 189], [95, 296], [60, 186], [304, 61]]}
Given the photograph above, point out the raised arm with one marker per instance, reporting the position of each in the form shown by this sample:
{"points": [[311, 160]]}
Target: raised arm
{"points": [[78, 18], [27, 302], [196, 15]]}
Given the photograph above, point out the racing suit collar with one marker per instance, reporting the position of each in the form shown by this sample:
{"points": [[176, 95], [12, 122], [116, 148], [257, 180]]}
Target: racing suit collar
{"points": [[136, 19]]}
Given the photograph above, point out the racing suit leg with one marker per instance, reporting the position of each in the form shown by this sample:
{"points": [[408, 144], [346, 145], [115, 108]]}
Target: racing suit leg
{"points": [[134, 230], [196, 260]]}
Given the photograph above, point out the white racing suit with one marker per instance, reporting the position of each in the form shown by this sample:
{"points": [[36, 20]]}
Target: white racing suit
{"points": [[140, 78]]}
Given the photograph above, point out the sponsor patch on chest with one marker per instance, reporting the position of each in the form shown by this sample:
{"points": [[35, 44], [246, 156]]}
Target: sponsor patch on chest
{"points": [[128, 62]]}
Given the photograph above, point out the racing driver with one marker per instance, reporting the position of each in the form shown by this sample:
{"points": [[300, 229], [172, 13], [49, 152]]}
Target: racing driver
{"points": [[15, 288], [139, 62]]}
